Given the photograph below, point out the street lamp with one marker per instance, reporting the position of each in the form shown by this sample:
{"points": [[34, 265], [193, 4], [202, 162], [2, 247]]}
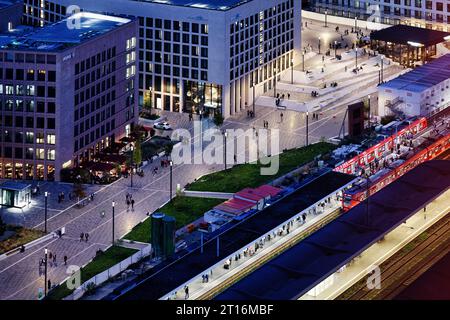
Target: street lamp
{"points": [[335, 48], [132, 164], [292, 71], [254, 88], [45, 211], [369, 109], [307, 128], [113, 221], [303, 61], [225, 135], [275, 83], [356, 23], [45, 273], [326, 14], [382, 67], [171, 165], [356, 57], [319, 45]]}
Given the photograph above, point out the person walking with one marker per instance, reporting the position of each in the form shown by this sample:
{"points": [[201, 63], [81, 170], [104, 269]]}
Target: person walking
{"points": [[281, 117], [132, 204], [186, 292], [86, 236], [128, 205], [54, 259], [65, 260]]}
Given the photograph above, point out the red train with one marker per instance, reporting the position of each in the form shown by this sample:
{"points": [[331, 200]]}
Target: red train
{"points": [[358, 193], [378, 150]]}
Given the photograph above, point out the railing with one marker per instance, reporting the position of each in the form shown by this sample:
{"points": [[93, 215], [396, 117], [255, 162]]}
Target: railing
{"points": [[111, 272]]}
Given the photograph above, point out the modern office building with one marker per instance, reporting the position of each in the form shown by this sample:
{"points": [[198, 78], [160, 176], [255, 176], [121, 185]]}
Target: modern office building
{"points": [[431, 14], [202, 55], [66, 92], [420, 92], [10, 14]]}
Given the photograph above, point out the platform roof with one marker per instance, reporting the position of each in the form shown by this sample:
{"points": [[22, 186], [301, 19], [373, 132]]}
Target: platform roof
{"points": [[59, 36], [172, 274], [403, 34], [221, 5], [299, 269], [423, 77]]}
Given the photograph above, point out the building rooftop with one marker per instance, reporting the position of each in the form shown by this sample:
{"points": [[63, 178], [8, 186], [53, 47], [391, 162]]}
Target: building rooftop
{"points": [[72, 31], [414, 36], [299, 269], [172, 273], [221, 5], [423, 77]]}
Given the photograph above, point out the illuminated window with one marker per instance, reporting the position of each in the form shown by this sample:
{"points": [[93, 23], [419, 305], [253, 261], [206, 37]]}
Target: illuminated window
{"points": [[51, 154], [40, 154], [51, 139]]}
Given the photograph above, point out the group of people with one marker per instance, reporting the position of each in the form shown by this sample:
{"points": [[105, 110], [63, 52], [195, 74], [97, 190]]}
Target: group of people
{"points": [[61, 197], [51, 262], [250, 114], [266, 124], [314, 94], [84, 236], [129, 201]]}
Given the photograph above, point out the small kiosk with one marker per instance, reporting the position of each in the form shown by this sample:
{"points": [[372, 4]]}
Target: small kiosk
{"points": [[15, 194]]}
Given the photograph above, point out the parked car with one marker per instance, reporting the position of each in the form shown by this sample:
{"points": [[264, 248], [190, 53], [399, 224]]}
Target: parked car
{"points": [[162, 126]]}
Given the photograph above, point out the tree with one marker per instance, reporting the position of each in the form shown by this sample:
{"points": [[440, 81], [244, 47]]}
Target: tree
{"points": [[137, 153], [168, 149], [218, 119], [78, 190]]}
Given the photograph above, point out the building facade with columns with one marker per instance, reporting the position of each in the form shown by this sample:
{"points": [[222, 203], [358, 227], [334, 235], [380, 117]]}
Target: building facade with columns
{"points": [[203, 56]]}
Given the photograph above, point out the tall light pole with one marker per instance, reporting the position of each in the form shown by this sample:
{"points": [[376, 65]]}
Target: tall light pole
{"points": [[275, 83], [303, 61], [45, 272], [132, 164], [307, 128], [319, 45], [356, 57], [369, 109], [335, 48], [382, 67], [225, 135], [326, 14], [254, 88], [45, 211], [171, 165], [292, 71], [113, 221], [356, 23]]}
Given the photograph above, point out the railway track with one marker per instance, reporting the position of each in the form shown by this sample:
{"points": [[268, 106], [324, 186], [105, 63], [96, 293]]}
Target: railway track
{"points": [[267, 257], [401, 269]]}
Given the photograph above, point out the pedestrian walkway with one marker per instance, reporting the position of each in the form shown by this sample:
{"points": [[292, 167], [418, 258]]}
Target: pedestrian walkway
{"points": [[217, 275], [382, 250]]}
